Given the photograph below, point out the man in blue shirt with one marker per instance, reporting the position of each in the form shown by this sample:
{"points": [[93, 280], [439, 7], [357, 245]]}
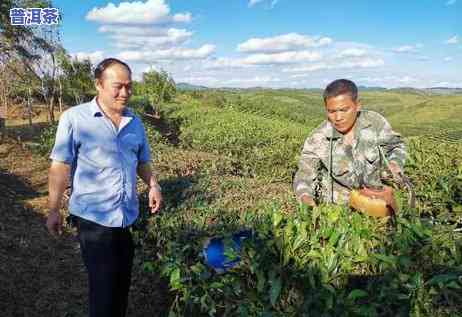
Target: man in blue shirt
{"points": [[101, 147]]}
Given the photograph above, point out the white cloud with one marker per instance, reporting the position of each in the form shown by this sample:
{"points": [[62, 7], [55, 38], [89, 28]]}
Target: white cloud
{"points": [[182, 17], [352, 52], [368, 62], [404, 49], [143, 30], [442, 84], [262, 59], [147, 37], [307, 69], [281, 43], [451, 2], [408, 48], [254, 2], [223, 63], [453, 40], [448, 84], [407, 80], [282, 58], [212, 81], [299, 76], [390, 81], [136, 13], [176, 53], [369, 79], [198, 80], [153, 67], [254, 80], [423, 58], [94, 57], [364, 63], [448, 59]]}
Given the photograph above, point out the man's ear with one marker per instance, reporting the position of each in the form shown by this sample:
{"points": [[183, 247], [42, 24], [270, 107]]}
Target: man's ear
{"points": [[98, 84], [358, 104]]}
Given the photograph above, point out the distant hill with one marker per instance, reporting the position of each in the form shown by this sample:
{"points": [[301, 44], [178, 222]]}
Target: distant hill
{"points": [[370, 88], [445, 90], [417, 91], [186, 86], [408, 90]]}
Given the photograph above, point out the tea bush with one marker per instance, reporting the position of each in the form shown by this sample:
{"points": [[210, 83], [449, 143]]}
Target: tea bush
{"points": [[325, 262], [436, 171], [259, 146]]}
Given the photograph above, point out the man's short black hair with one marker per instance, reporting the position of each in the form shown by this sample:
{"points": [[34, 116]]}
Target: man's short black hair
{"points": [[340, 87], [104, 64]]}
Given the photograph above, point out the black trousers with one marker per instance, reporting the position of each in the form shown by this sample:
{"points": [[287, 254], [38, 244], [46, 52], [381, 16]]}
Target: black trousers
{"points": [[108, 256]]}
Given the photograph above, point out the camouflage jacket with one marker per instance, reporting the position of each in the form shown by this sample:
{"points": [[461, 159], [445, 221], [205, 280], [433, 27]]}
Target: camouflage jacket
{"points": [[352, 166]]}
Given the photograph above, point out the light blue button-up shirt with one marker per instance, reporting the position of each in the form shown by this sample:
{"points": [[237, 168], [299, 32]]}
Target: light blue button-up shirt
{"points": [[103, 162]]}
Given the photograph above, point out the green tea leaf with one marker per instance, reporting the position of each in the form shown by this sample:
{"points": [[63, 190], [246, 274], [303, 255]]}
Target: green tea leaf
{"points": [[389, 259], [275, 290], [442, 279], [357, 293], [277, 218], [216, 285], [148, 266], [260, 281], [175, 278]]}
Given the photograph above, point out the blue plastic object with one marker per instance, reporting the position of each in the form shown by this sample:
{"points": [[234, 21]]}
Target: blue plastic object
{"points": [[215, 254]]}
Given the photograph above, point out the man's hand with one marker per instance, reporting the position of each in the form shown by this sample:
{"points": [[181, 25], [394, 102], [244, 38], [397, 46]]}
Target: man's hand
{"points": [[155, 199], [307, 200], [395, 169], [54, 223]]}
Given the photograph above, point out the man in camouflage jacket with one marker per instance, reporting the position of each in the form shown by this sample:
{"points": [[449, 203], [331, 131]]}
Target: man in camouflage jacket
{"points": [[353, 146]]}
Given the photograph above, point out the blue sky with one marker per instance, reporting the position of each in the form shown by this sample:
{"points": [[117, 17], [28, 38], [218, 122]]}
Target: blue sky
{"points": [[274, 43]]}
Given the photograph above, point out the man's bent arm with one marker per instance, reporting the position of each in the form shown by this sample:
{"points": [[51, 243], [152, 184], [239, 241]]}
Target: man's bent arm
{"points": [[145, 172], [307, 173], [395, 149], [58, 177], [154, 196]]}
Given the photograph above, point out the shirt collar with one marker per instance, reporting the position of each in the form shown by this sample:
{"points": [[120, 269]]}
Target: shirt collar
{"points": [[97, 112]]}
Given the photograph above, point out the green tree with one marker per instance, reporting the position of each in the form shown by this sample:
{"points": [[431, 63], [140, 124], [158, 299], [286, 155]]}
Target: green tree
{"points": [[76, 79], [159, 87]]}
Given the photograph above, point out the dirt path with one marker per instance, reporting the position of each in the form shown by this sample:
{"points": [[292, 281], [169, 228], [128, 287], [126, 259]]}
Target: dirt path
{"points": [[40, 275]]}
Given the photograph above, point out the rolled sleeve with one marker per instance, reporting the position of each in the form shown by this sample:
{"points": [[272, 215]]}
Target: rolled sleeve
{"points": [[144, 153], [308, 169], [64, 149], [393, 145]]}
